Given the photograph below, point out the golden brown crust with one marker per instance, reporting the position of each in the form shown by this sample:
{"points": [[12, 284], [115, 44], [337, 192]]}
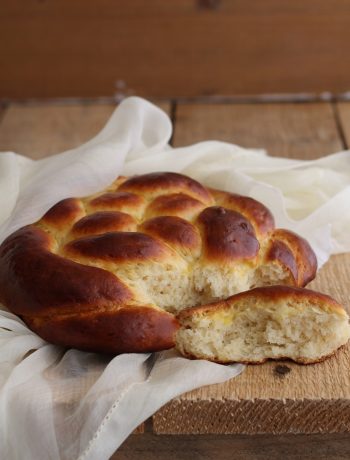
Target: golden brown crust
{"points": [[173, 230], [119, 247], [303, 253], [65, 212], [227, 235], [258, 214], [51, 275], [154, 184], [175, 204], [126, 330], [279, 252], [270, 293], [117, 201], [102, 222], [34, 281]]}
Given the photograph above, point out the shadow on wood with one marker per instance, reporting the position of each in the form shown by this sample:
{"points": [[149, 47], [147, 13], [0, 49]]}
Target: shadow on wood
{"points": [[237, 447]]}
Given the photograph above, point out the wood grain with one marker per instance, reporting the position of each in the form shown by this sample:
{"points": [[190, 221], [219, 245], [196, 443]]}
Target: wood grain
{"points": [[237, 447], [41, 130], [307, 399], [177, 48], [290, 130]]}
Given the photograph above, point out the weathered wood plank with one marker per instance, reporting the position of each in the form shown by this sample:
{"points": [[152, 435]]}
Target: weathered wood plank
{"points": [[41, 130], [306, 399], [177, 48], [237, 447], [292, 130]]}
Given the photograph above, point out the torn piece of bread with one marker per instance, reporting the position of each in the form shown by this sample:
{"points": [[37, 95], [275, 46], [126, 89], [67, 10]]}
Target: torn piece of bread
{"points": [[273, 322]]}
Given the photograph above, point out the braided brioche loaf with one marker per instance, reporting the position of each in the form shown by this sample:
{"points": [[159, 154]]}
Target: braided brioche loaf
{"points": [[110, 272]]}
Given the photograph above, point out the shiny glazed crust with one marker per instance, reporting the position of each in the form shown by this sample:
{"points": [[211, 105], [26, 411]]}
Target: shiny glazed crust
{"points": [[270, 293], [59, 274]]}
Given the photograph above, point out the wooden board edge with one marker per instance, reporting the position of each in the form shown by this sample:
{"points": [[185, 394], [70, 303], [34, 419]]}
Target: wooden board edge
{"points": [[260, 416]]}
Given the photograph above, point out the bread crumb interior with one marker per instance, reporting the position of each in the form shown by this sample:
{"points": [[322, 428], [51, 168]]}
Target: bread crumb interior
{"points": [[247, 331]]}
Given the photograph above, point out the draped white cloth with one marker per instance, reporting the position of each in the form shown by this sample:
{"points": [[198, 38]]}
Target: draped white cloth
{"points": [[58, 404]]}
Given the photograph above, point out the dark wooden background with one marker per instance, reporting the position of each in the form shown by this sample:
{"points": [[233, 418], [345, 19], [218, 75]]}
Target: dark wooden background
{"points": [[173, 48]]}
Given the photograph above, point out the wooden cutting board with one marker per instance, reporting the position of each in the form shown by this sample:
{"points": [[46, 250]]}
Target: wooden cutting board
{"points": [[276, 397]]}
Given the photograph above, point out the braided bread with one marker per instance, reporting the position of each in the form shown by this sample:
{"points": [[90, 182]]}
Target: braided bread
{"points": [[110, 272]]}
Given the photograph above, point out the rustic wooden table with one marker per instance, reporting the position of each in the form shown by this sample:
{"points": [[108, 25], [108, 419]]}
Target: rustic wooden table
{"points": [[297, 412]]}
